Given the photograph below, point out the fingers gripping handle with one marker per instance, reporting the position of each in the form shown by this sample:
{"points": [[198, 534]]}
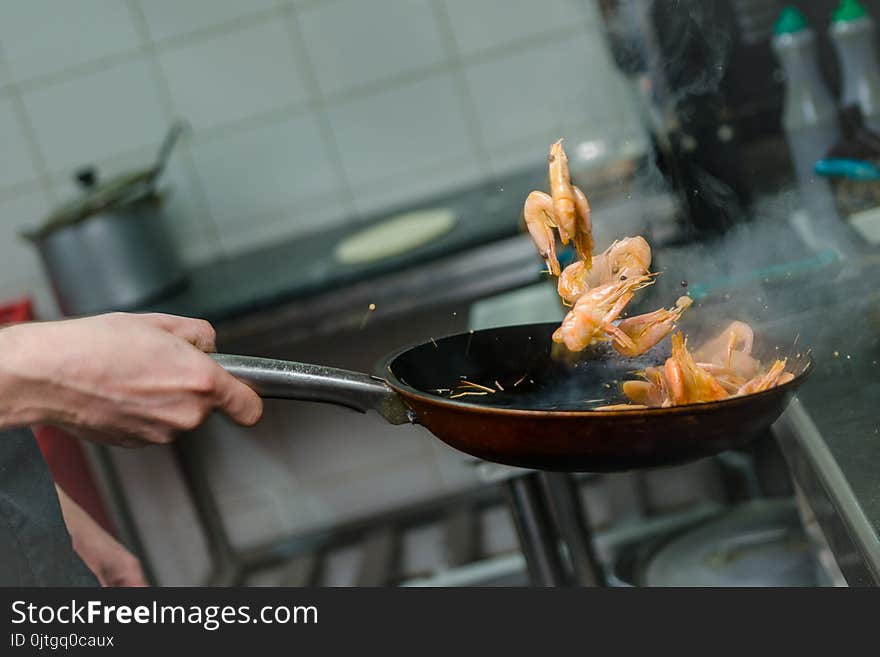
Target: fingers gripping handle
{"points": [[281, 379]]}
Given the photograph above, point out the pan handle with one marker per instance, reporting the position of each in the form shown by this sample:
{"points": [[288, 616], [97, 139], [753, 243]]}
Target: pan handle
{"points": [[282, 379]]}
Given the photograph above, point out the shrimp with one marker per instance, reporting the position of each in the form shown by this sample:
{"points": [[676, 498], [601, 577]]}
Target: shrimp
{"points": [[595, 311], [564, 211], [583, 238], [731, 350], [630, 256], [687, 382], [729, 380], [776, 375], [538, 215], [573, 282], [652, 391], [682, 380], [645, 331], [625, 258]]}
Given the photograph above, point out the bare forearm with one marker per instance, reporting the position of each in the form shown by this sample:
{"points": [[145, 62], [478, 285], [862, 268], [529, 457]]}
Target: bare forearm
{"points": [[19, 406], [117, 378]]}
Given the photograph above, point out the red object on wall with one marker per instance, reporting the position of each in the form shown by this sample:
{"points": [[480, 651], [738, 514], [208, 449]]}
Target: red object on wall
{"points": [[63, 453]]}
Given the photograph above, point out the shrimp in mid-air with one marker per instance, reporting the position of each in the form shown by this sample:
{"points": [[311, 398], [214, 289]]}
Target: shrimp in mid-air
{"points": [[645, 331], [591, 317], [598, 288], [630, 256], [571, 210], [538, 215], [565, 209], [594, 279]]}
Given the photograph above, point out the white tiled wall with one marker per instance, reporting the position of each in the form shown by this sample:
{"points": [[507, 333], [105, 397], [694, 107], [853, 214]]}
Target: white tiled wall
{"points": [[306, 112]]}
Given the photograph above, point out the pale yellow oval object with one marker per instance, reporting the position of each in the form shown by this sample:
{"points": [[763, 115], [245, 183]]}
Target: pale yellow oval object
{"points": [[394, 236]]}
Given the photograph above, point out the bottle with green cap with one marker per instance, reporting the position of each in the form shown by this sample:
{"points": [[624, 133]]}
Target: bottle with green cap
{"points": [[852, 32], [809, 116], [810, 124]]}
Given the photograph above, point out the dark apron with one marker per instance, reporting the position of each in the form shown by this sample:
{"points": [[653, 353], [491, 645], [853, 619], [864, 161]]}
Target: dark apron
{"points": [[35, 548]]}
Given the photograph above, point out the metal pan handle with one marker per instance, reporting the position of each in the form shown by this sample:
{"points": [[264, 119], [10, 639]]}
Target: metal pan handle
{"points": [[282, 379]]}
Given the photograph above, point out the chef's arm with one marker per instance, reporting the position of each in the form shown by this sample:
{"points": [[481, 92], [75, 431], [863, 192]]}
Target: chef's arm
{"points": [[108, 559], [119, 378]]}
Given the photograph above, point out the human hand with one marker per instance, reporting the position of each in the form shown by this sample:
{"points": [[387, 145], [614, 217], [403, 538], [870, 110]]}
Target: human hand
{"points": [[108, 559], [121, 379]]}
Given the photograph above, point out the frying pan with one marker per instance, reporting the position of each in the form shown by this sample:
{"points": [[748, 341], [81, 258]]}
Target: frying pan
{"points": [[537, 417]]}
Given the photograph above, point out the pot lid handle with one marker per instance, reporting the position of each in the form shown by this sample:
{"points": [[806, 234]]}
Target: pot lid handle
{"points": [[87, 177]]}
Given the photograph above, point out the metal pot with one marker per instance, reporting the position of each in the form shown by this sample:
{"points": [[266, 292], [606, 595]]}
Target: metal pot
{"points": [[108, 249]]}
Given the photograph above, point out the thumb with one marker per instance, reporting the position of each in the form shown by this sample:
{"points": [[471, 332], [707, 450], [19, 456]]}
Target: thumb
{"points": [[237, 400]]}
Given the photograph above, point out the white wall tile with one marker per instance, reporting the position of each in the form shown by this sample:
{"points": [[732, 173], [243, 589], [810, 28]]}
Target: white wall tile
{"points": [[402, 130], [46, 36], [264, 169], [93, 117], [234, 76], [487, 24], [19, 259], [16, 161], [415, 187], [5, 77], [568, 75], [187, 217], [527, 153], [21, 272], [351, 42], [267, 229], [169, 18]]}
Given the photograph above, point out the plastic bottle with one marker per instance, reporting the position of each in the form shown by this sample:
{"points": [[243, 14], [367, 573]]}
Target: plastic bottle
{"points": [[809, 115], [852, 32]]}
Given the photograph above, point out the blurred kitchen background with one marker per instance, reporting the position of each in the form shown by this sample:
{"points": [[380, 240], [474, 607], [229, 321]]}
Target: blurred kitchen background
{"points": [[305, 114], [311, 120]]}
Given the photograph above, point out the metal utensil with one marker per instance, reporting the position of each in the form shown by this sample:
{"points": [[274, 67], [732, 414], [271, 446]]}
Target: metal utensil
{"points": [[540, 423]]}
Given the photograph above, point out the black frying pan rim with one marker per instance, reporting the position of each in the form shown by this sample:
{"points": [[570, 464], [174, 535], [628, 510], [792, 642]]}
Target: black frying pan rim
{"points": [[388, 376]]}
